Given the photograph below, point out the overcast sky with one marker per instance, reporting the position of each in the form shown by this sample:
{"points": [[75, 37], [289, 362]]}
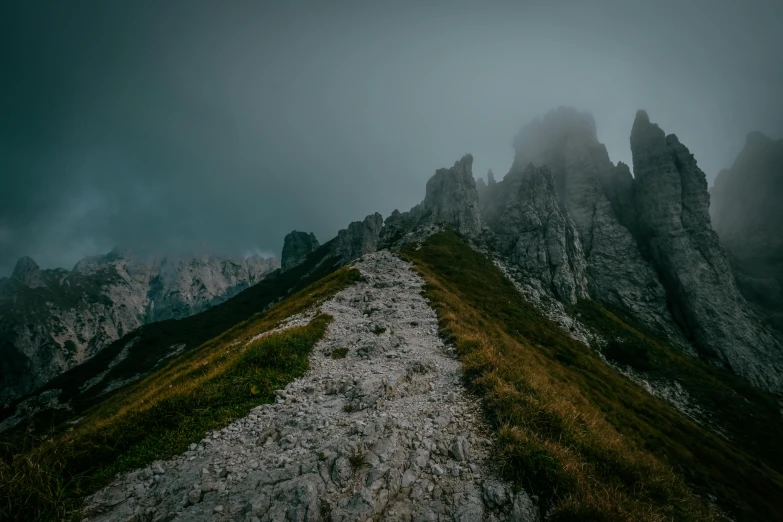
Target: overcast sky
{"points": [[170, 126]]}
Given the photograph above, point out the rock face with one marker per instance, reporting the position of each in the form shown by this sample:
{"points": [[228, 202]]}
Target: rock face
{"points": [[385, 433], [28, 273], [747, 214], [599, 198], [52, 320], [361, 237], [535, 232], [296, 246], [451, 200], [672, 205]]}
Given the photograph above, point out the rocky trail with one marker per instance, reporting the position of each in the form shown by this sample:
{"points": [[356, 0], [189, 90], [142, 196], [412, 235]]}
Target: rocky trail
{"points": [[382, 431]]}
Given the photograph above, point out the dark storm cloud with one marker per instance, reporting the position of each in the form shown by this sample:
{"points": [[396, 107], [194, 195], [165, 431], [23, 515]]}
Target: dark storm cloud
{"points": [[174, 126]]}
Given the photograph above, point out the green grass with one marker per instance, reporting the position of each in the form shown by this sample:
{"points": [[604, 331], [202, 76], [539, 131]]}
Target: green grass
{"points": [[153, 340], [339, 353], [158, 417], [749, 416], [378, 329], [591, 443]]}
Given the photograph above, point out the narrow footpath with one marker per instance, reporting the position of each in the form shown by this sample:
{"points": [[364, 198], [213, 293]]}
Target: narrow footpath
{"points": [[380, 429]]}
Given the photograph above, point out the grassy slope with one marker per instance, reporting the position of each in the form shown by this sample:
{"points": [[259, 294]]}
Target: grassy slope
{"points": [[155, 339], [158, 417], [591, 443]]}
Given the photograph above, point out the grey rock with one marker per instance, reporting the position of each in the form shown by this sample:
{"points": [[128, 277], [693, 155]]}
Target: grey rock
{"points": [[536, 233], [472, 510], [451, 200], [460, 449], [495, 494], [28, 273], [194, 496], [361, 237], [674, 225], [524, 510], [598, 197], [296, 246]]}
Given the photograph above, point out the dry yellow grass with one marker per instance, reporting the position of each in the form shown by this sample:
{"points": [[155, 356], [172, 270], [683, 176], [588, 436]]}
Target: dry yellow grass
{"points": [[157, 417], [592, 444]]}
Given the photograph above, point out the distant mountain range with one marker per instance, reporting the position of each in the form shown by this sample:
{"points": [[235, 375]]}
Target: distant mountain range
{"points": [[53, 320]]}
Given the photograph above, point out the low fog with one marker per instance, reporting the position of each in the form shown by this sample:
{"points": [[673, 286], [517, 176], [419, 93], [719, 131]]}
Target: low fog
{"points": [[172, 127]]}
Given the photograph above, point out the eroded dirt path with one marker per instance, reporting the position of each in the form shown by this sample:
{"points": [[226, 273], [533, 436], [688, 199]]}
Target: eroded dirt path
{"points": [[385, 433]]}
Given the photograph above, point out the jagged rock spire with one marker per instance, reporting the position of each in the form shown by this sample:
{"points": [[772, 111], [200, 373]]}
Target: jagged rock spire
{"points": [[598, 196], [296, 246], [674, 225], [28, 272], [360, 238], [452, 198], [537, 234]]}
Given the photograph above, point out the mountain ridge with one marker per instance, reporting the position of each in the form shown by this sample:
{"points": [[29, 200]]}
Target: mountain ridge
{"points": [[614, 384], [52, 320]]}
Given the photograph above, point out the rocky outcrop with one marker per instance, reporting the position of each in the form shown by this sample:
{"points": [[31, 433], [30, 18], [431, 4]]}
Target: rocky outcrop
{"points": [[190, 286], [296, 246], [747, 214], [28, 273], [53, 320], [451, 200], [673, 225], [598, 196], [536, 234], [385, 432], [360, 238]]}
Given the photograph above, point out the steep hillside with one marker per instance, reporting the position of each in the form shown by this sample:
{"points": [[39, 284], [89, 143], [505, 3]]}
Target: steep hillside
{"points": [[53, 320], [573, 225], [380, 428], [565, 344], [206, 388], [591, 442], [152, 345]]}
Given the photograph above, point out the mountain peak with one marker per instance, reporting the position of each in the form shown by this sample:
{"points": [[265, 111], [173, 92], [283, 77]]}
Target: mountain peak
{"points": [[452, 198], [28, 272], [296, 246], [757, 138]]}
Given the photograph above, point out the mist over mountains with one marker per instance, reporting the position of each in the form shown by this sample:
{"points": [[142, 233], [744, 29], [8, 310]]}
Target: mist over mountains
{"points": [[232, 126], [406, 261]]}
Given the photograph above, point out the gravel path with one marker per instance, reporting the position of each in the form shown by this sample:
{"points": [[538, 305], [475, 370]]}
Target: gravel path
{"points": [[385, 433]]}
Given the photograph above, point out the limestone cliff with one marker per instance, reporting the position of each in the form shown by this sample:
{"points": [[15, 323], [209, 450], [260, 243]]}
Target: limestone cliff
{"points": [[598, 197], [296, 246], [672, 202], [536, 233], [451, 200], [361, 237]]}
